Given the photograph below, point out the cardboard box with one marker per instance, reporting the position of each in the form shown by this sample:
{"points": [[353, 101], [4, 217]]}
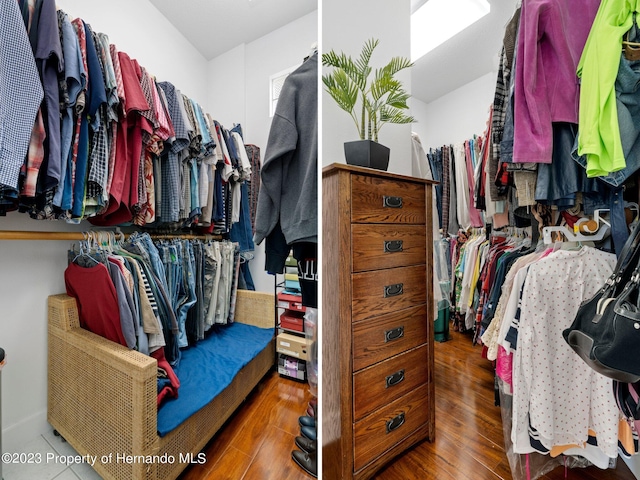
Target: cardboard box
{"points": [[291, 320], [292, 367], [291, 302], [292, 345]]}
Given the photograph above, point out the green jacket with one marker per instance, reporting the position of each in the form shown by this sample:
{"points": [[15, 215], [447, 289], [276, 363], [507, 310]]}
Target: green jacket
{"points": [[599, 133]]}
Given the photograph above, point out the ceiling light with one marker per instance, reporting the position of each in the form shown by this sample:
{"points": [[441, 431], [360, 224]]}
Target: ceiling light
{"points": [[437, 21]]}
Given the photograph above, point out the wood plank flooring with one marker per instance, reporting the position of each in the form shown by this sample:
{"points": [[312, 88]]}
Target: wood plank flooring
{"points": [[469, 440], [256, 443]]}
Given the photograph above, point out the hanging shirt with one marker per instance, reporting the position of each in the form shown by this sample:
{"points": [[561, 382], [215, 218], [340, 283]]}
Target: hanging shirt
{"points": [[97, 116], [110, 81], [554, 390], [20, 92], [97, 301], [124, 186], [75, 78], [170, 185], [599, 137], [48, 54], [551, 38], [462, 186], [288, 194]]}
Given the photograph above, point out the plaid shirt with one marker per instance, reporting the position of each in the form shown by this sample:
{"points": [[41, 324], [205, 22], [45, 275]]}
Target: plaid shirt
{"points": [[115, 60], [99, 163], [78, 26], [499, 114], [446, 189], [99, 150], [497, 174], [253, 152], [171, 162], [18, 111], [35, 157]]}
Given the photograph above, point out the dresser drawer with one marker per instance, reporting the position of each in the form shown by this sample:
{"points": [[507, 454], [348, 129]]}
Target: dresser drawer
{"points": [[387, 246], [382, 337], [378, 200], [386, 291], [378, 432], [386, 381]]}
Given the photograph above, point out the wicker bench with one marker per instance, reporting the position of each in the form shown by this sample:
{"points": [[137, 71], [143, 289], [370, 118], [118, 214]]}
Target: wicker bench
{"points": [[102, 396]]}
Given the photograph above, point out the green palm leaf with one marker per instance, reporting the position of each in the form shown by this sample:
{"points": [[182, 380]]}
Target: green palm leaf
{"points": [[342, 89], [396, 64], [394, 115], [383, 84], [345, 63], [398, 99]]}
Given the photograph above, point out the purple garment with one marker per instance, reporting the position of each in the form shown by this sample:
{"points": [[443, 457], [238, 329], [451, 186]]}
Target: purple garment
{"points": [[551, 38], [50, 62]]}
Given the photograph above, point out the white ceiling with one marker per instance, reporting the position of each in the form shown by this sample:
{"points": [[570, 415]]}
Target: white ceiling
{"points": [[217, 26], [467, 56]]}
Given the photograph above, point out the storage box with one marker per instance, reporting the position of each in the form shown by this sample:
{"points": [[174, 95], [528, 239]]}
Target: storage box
{"points": [[292, 284], [292, 345], [292, 367], [291, 320], [290, 301]]}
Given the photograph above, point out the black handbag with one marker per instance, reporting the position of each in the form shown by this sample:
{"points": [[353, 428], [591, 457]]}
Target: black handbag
{"points": [[606, 330]]}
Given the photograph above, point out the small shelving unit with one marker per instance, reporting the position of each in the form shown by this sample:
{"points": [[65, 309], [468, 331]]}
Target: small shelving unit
{"points": [[291, 343]]}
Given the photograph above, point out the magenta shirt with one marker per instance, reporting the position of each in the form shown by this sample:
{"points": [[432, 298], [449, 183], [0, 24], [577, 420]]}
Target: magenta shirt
{"points": [[551, 38]]}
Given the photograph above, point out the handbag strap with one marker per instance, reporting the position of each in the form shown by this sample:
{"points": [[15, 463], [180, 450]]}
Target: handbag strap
{"points": [[627, 253]]}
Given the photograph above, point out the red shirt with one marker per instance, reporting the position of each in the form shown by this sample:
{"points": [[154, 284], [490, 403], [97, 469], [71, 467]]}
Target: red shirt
{"points": [[97, 300]]}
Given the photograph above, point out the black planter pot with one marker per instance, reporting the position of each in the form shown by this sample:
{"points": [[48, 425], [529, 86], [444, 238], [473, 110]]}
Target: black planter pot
{"points": [[367, 153]]}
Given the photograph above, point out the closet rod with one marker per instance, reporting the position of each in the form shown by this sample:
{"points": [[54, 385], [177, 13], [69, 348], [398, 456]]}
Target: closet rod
{"points": [[26, 235], [184, 236]]}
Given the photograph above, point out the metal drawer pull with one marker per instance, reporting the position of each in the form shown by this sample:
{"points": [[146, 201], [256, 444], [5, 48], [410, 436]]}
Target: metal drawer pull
{"points": [[394, 334], [392, 246], [391, 202], [395, 423], [395, 378], [393, 290]]}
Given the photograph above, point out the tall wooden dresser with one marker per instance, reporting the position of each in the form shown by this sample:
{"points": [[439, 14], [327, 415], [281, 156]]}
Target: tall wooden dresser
{"points": [[377, 319]]}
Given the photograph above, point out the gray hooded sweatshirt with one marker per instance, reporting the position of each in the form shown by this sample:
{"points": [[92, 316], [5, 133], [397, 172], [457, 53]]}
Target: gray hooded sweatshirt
{"points": [[289, 188]]}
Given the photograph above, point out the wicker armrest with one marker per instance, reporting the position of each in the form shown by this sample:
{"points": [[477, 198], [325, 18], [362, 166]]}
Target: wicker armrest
{"points": [[102, 397], [63, 315], [256, 308]]}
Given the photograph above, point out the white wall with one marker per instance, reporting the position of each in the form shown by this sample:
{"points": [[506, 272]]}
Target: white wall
{"points": [[30, 271], [226, 93], [352, 24], [139, 29], [253, 64], [456, 116]]}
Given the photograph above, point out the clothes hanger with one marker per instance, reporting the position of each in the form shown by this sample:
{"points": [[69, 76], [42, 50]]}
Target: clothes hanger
{"points": [[631, 50], [313, 51], [84, 252]]}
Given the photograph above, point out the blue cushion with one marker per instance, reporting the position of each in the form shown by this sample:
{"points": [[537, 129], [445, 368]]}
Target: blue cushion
{"points": [[208, 367]]}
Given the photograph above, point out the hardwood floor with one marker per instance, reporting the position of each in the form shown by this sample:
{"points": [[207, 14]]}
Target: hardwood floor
{"points": [[256, 443], [469, 441]]}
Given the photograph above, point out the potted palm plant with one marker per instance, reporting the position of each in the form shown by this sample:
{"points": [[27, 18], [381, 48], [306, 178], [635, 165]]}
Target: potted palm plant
{"points": [[371, 102]]}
